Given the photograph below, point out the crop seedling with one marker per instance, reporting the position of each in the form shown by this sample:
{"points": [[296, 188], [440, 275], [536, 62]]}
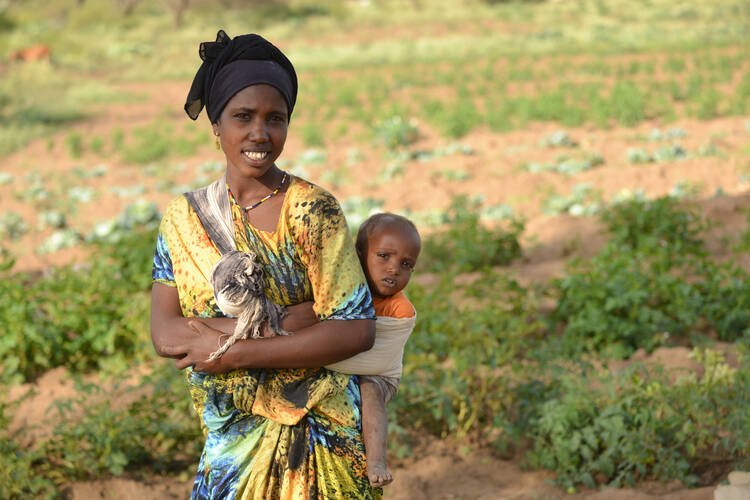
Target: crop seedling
{"points": [[396, 132], [12, 226], [74, 142]]}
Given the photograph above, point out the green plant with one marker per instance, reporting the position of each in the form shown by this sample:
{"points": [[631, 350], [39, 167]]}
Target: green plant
{"points": [[465, 244], [74, 142], [312, 135], [616, 428], [20, 466], [627, 103], [12, 226], [97, 144], [455, 376], [396, 132], [150, 144], [652, 282], [583, 199], [72, 316], [661, 224], [96, 436]]}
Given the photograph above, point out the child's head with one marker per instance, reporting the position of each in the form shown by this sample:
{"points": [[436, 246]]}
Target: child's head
{"points": [[388, 246]]}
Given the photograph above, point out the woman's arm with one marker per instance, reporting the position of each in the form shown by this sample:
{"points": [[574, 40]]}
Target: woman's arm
{"points": [[192, 341], [318, 345], [170, 329]]}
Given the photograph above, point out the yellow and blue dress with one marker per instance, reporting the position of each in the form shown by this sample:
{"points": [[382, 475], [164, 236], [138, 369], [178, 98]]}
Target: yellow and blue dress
{"points": [[275, 433]]}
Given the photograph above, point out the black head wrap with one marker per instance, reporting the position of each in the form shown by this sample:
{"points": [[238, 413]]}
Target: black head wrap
{"points": [[231, 64]]}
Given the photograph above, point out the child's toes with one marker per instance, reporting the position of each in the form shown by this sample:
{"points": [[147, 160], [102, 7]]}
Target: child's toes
{"points": [[387, 478], [380, 478]]}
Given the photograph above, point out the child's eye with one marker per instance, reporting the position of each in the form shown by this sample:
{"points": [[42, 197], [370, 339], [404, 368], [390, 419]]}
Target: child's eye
{"points": [[382, 255], [407, 264]]}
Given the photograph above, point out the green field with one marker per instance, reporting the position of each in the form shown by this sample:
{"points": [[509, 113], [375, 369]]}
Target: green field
{"points": [[579, 171]]}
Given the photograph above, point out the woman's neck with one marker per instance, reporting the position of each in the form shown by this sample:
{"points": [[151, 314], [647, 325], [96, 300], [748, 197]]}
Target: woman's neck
{"points": [[247, 190]]}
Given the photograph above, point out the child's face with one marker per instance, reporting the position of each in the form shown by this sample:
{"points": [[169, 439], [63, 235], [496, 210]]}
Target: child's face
{"points": [[392, 253]]}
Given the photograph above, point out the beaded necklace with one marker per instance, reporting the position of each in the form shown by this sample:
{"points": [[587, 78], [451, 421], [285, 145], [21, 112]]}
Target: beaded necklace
{"points": [[269, 195]]}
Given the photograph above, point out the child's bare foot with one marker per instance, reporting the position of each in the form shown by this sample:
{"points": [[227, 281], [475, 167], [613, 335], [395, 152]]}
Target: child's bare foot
{"points": [[378, 475]]}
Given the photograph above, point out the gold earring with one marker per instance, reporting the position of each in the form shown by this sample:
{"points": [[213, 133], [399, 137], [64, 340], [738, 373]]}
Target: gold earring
{"points": [[218, 144]]}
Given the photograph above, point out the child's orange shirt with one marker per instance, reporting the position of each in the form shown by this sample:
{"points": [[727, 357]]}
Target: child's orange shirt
{"points": [[395, 306]]}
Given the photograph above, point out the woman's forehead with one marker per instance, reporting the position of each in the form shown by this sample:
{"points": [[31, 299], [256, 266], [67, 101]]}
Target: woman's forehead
{"points": [[256, 94]]}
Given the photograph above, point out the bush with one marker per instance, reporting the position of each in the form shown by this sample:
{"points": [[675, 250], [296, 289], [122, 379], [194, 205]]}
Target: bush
{"points": [[651, 225], [19, 467], [651, 282], [396, 132], [628, 426], [155, 430], [73, 316], [465, 244]]}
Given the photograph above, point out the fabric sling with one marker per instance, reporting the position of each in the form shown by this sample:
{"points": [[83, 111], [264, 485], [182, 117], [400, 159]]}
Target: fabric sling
{"points": [[385, 357], [211, 204]]}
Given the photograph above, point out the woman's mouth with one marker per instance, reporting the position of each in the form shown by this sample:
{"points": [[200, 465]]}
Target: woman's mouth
{"points": [[256, 155]]}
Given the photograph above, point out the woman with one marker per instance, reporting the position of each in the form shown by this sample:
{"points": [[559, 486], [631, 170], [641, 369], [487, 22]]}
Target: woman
{"points": [[276, 424]]}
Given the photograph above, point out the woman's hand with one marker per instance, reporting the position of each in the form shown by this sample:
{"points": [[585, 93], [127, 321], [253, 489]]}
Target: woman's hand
{"points": [[196, 352], [299, 316], [169, 329]]}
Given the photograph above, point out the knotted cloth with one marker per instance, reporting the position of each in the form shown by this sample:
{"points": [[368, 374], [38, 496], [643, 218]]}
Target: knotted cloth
{"points": [[221, 75]]}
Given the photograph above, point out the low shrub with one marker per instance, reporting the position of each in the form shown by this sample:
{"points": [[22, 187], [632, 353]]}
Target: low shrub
{"points": [[97, 435], [619, 428], [465, 244], [652, 281], [73, 316]]}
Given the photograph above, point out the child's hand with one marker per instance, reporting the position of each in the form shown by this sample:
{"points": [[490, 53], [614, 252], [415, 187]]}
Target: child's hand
{"points": [[299, 316]]}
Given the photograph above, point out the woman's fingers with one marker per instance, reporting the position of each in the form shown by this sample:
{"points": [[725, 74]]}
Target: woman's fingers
{"points": [[200, 327], [173, 351], [184, 362]]}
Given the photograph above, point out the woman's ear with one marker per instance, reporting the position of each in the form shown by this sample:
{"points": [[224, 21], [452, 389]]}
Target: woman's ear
{"points": [[215, 127]]}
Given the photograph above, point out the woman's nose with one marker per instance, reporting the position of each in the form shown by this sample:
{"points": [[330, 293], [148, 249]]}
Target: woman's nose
{"points": [[258, 132]]}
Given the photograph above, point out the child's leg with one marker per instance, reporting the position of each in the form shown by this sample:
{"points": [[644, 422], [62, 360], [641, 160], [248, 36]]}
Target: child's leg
{"points": [[375, 430]]}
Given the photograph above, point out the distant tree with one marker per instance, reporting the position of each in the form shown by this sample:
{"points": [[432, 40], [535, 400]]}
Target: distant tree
{"points": [[178, 8], [127, 6]]}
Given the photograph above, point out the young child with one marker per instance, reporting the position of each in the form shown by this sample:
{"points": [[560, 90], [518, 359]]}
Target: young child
{"points": [[388, 246]]}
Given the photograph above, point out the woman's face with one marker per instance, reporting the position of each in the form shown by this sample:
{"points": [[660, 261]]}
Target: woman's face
{"points": [[252, 129]]}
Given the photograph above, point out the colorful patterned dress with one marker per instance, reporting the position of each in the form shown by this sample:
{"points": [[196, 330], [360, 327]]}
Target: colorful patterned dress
{"points": [[291, 433]]}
